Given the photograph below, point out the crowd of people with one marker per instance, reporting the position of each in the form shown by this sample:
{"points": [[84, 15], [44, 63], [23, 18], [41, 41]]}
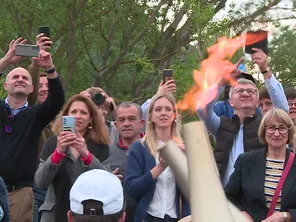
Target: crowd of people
{"points": [[111, 171]]}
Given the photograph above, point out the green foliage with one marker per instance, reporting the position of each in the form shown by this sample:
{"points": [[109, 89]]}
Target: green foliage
{"points": [[283, 54]]}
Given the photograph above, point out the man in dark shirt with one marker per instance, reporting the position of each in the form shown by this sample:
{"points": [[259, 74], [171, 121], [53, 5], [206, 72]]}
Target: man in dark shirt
{"points": [[20, 130], [129, 123]]}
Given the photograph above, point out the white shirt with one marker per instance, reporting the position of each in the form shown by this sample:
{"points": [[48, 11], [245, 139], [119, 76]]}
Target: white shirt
{"points": [[237, 149], [164, 198]]}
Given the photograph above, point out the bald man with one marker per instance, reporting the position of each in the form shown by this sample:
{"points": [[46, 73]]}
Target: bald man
{"points": [[20, 129]]}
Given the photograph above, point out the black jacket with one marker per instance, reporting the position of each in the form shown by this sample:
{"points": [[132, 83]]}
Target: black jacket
{"points": [[228, 129], [245, 188]]}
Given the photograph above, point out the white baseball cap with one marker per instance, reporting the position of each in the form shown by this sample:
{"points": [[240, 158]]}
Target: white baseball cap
{"points": [[98, 185]]}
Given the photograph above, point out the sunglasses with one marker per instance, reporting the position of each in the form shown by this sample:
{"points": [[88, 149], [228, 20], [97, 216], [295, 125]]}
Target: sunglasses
{"points": [[8, 127]]}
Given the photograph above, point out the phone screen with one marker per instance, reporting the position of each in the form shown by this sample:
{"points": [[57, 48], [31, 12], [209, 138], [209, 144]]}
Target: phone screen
{"points": [[168, 74]]}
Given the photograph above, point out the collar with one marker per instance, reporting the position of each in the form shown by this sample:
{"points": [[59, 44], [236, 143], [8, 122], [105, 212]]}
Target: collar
{"points": [[25, 106], [122, 146]]}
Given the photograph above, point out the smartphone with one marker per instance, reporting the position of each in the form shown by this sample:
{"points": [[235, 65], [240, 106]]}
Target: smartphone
{"points": [[262, 42], [45, 30], [27, 50], [69, 124], [167, 74]]}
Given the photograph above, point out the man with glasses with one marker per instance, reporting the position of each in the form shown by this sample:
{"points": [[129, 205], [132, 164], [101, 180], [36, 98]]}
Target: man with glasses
{"points": [[291, 97], [97, 195], [20, 130], [238, 134]]}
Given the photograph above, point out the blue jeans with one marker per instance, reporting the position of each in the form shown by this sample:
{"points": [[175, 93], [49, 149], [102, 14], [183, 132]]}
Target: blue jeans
{"points": [[39, 197]]}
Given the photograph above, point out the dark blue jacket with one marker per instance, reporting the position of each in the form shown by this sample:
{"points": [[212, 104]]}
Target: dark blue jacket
{"points": [[4, 201], [140, 184]]}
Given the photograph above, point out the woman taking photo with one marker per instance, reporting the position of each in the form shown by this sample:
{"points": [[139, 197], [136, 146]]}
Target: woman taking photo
{"points": [[65, 156], [263, 184], [148, 179]]}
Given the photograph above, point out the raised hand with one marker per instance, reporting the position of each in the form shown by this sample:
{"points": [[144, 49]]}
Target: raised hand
{"points": [[260, 58], [44, 60], [10, 57], [234, 73], [167, 87], [64, 140], [43, 42], [80, 145]]}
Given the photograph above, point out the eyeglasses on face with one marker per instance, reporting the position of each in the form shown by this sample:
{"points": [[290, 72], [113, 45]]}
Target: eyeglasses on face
{"points": [[292, 104], [270, 129], [8, 127], [250, 91]]}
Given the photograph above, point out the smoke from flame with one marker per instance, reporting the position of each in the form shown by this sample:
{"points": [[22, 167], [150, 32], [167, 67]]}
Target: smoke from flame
{"points": [[216, 65]]}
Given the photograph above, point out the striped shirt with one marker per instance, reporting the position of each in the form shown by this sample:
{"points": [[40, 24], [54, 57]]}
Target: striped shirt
{"points": [[273, 173]]}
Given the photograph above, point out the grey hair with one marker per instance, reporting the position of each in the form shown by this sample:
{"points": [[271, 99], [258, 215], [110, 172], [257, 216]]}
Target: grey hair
{"points": [[128, 104], [243, 82]]}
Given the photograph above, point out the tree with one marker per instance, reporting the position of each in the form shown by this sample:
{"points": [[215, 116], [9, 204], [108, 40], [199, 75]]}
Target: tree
{"points": [[123, 45]]}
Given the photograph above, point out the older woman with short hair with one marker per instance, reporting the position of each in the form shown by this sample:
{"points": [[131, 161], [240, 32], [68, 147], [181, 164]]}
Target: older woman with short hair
{"points": [[260, 175]]}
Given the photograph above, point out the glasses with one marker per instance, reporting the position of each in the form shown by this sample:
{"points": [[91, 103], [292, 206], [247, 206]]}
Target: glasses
{"points": [[250, 91], [8, 127], [291, 104], [271, 129]]}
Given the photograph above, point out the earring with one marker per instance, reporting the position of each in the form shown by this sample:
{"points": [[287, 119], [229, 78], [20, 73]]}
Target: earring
{"points": [[90, 125], [152, 123]]}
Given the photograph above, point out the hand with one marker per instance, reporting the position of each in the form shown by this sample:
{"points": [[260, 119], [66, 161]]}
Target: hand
{"points": [[44, 60], [260, 58], [169, 87], [86, 94], [182, 147], [162, 163], [64, 140], [247, 216], [276, 217], [107, 104], [80, 145], [109, 101], [43, 42], [234, 73], [115, 172], [10, 57]]}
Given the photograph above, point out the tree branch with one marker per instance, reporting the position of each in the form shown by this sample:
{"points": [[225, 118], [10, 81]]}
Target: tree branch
{"points": [[14, 13], [105, 55], [117, 61], [84, 42], [248, 19], [220, 6]]}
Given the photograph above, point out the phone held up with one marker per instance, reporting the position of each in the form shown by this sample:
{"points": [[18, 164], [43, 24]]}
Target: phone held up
{"points": [[45, 30], [262, 42], [27, 50], [167, 74], [69, 124]]}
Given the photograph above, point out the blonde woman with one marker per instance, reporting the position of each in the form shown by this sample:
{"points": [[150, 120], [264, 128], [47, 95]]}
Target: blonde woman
{"points": [[67, 155], [148, 179]]}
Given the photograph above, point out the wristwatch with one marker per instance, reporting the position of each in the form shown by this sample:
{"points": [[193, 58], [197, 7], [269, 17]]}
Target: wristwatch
{"points": [[50, 70], [265, 71], [285, 216]]}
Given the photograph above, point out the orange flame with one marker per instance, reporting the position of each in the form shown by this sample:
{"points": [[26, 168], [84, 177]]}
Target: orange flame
{"points": [[216, 65]]}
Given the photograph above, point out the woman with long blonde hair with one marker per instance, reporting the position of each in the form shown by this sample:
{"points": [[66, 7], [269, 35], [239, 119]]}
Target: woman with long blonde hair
{"points": [[148, 179], [67, 155]]}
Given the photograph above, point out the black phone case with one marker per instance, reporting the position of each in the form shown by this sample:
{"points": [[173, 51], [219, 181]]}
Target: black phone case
{"points": [[260, 45], [45, 30]]}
